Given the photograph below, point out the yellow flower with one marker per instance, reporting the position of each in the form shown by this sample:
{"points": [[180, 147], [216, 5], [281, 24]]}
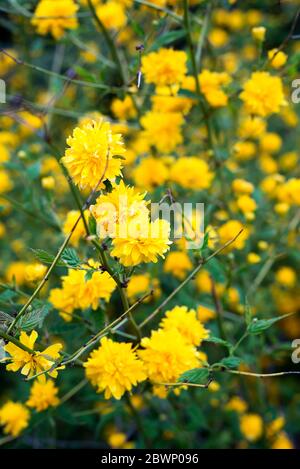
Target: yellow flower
{"points": [[54, 16], [185, 321], [79, 293], [251, 426], [43, 395], [167, 100], [289, 192], [79, 232], [15, 417], [205, 314], [286, 276], [259, 33], [277, 58], [237, 404], [246, 204], [218, 37], [151, 240], [33, 362], [257, 97], [166, 355], [165, 67], [244, 150], [123, 108], [282, 441], [178, 264], [141, 284], [270, 142], [48, 182], [112, 14], [211, 83], [241, 186], [6, 184], [251, 127], [90, 157], [229, 230], [191, 172], [114, 368], [150, 173], [253, 258], [163, 130], [34, 272], [120, 211], [16, 272]]}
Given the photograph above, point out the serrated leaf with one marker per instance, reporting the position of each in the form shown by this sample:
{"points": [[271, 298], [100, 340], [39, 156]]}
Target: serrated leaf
{"points": [[45, 257], [231, 362], [257, 326], [196, 376], [33, 319], [70, 258]]}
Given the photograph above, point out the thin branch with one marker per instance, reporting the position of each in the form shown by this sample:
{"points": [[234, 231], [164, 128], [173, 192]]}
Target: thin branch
{"points": [[190, 277]]}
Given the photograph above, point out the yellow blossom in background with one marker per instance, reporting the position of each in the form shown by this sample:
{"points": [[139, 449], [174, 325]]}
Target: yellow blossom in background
{"points": [[251, 426], [165, 67], [55, 16], [16, 272], [150, 242], [114, 368], [191, 172], [178, 264], [205, 314], [229, 230], [163, 130], [142, 284], [124, 108], [289, 192], [185, 321], [150, 173], [69, 224], [211, 86], [34, 272], [112, 14], [270, 142], [218, 37], [32, 362], [286, 276], [282, 441], [251, 127], [43, 395], [259, 33], [241, 186], [277, 58], [253, 258], [14, 417], [90, 157], [6, 183], [257, 97], [237, 404]]}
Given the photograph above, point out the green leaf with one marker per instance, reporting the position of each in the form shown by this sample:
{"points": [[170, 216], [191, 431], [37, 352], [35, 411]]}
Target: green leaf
{"points": [[33, 319], [196, 376], [43, 256], [257, 326], [92, 225], [167, 38], [217, 340], [231, 362], [70, 258], [83, 73], [5, 319]]}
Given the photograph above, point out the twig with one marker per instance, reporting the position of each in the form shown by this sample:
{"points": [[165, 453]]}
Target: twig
{"points": [[190, 277]]}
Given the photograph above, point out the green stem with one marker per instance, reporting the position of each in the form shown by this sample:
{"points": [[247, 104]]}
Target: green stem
{"points": [[111, 45]]}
